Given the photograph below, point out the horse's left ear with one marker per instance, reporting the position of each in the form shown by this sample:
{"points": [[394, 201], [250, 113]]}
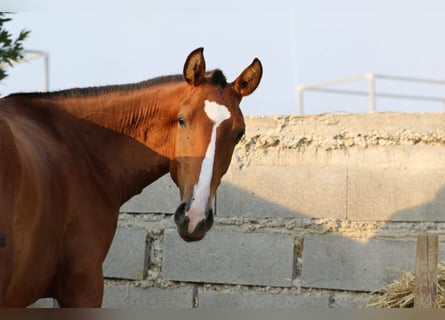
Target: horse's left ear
{"points": [[249, 79], [195, 67]]}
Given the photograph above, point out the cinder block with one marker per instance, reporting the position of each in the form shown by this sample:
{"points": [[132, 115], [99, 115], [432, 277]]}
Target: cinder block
{"points": [[214, 299], [338, 262], [230, 257], [128, 255], [126, 296], [287, 191], [396, 195], [162, 196]]}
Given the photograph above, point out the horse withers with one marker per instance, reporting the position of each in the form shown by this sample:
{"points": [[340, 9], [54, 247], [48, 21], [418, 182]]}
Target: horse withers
{"points": [[70, 159]]}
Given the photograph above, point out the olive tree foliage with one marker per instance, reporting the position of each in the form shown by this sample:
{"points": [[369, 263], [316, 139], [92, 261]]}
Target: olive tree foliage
{"points": [[11, 50]]}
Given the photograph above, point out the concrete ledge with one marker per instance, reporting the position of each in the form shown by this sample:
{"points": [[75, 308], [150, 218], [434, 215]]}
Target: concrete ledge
{"points": [[126, 296], [128, 255], [230, 257]]}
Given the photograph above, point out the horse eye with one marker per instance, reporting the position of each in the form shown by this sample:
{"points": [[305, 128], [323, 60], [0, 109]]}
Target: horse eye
{"points": [[181, 121]]}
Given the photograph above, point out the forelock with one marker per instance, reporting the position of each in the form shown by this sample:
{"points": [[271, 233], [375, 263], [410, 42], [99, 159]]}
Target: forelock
{"points": [[217, 77]]}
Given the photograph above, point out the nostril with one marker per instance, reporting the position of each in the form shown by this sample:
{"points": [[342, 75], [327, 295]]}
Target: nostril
{"points": [[201, 227], [188, 205], [180, 217], [183, 222], [209, 219]]}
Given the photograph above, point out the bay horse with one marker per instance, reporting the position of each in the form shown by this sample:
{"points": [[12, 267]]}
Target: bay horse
{"points": [[70, 159]]}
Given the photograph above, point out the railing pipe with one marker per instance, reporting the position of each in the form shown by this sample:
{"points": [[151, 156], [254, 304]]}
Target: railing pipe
{"points": [[32, 55], [371, 93]]}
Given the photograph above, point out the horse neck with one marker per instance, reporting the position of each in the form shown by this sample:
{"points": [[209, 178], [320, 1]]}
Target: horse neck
{"points": [[126, 164], [121, 166], [145, 114]]}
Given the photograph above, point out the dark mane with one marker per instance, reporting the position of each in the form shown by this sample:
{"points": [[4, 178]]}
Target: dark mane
{"points": [[215, 77], [88, 91]]}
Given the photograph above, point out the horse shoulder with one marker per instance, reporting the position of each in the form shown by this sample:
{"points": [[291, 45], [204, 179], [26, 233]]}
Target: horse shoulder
{"points": [[9, 172]]}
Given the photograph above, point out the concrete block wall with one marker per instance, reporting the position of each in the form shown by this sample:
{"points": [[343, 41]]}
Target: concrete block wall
{"points": [[315, 211]]}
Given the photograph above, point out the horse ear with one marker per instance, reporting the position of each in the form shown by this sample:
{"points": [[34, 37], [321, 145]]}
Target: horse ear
{"points": [[195, 67], [249, 79]]}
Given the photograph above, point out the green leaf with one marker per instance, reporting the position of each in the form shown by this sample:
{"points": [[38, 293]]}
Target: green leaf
{"points": [[11, 50]]}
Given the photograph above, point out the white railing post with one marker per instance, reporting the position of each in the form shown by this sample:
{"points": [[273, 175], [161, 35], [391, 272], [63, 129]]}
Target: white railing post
{"points": [[31, 55], [46, 72], [371, 92], [300, 100]]}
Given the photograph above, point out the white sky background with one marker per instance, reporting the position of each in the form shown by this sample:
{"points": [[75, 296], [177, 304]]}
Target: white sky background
{"points": [[298, 42]]}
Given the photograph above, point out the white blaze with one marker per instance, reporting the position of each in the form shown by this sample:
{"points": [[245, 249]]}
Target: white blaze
{"points": [[201, 193]]}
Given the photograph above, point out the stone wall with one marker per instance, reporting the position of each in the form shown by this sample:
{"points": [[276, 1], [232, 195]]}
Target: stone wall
{"points": [[315, 211]]}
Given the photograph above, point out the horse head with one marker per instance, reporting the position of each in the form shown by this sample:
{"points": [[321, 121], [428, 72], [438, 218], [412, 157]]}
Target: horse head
{"points": [[209, 125]]}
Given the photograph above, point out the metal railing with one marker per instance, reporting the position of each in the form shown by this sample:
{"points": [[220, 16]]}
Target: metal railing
{"points": [[371, 93], [29, 55]]}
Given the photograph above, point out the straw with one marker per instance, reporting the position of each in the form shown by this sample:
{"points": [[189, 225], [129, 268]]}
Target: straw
{"points": [[400, 294]]}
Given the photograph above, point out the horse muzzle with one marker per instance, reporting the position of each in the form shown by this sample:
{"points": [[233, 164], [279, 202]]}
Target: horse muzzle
{"points": [[192, 231]]}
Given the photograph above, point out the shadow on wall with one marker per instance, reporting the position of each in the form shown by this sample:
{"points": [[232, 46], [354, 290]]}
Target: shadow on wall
{"points": [[339, 253], [285, 192], [433, 211], [342, 248]]}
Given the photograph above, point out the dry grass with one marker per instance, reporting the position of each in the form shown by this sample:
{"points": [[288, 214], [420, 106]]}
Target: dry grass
{"points": [[400, 294]]}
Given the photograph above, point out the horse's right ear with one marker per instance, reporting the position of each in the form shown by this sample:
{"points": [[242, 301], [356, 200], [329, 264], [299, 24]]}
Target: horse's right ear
{"points": [[195, 67], [249, 79]]}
